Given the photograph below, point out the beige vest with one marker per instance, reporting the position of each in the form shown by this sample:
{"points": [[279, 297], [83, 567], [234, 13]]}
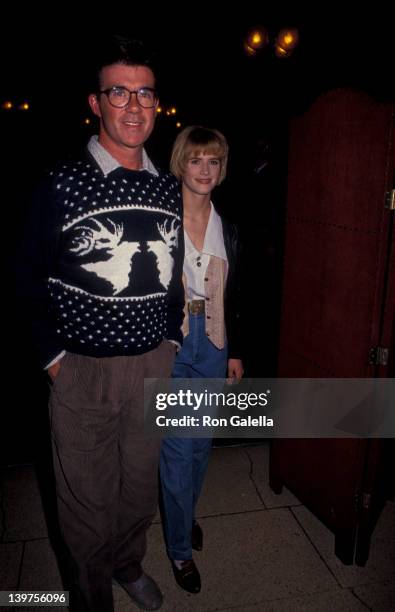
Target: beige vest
{"points": [[214, 285]]}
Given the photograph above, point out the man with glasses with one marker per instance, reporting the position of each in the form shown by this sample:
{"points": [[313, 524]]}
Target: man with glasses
{"points": [[106, 298]]}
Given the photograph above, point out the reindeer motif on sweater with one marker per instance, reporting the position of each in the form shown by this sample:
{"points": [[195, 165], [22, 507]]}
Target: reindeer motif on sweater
{"points": [[116, 268]]}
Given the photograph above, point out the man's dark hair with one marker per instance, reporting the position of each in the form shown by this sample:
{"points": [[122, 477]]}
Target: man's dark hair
{"points": [[121, 50]]}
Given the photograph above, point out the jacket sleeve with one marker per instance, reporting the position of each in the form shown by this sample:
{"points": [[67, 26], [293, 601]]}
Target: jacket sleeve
{"points": [[35, 262], [176, 297], [233, 292]]}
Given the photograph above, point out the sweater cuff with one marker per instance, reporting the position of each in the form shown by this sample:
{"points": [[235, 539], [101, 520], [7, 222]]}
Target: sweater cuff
{"points": [[55, 360]]}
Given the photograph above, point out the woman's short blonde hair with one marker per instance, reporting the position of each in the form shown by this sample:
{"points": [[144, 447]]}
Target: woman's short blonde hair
{"points": [[194, 140]]}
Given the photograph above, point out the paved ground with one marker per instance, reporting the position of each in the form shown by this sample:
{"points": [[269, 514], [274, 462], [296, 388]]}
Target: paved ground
{"points": [[261, 551]]}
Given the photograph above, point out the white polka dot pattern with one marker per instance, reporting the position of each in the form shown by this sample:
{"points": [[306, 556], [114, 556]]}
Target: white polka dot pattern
{"points": [[96, 313]]}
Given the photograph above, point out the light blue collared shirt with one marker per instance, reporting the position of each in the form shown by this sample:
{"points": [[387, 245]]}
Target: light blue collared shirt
{"points": [[108, 163]]}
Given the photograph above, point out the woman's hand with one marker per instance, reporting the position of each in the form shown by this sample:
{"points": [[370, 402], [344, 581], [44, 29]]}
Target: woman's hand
{"points": [[235, 370]]}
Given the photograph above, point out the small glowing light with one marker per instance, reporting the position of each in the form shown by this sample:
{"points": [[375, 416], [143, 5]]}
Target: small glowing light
{"points": [[173, 110], [24, 106], [249, 50], [178, 124], [257, 38], [159, 109], [87, 121], [286, 40], [7, 105], [280, 52], [168, 112]]}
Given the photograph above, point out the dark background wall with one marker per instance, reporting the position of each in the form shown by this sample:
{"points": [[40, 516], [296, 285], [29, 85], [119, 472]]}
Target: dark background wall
{"points": [[206, 74]]}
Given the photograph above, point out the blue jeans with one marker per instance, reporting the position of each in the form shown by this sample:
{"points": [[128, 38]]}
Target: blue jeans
{"points": [[183, 461]]}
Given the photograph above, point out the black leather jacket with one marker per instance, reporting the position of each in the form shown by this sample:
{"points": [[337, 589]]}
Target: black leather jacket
{"points": [[232, 301]]}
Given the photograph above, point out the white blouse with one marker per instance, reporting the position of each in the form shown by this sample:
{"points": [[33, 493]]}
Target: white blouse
{"points": [[196, 262]]}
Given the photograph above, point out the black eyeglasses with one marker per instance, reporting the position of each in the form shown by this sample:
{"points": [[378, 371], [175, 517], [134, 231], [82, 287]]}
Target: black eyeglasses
{"points": [[119, 96]]}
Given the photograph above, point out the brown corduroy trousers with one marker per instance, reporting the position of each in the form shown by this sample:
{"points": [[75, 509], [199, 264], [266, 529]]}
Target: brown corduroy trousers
{"points": [[105, 468]]}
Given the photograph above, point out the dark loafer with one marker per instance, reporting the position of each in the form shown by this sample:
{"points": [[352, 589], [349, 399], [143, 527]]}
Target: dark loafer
{"points": [[196, 536], [144, 592], [188, 577]]}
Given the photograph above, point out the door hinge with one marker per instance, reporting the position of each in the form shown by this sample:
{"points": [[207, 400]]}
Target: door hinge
{"points": [[378, 355], [390, 199], [363, 500], [366, 501]]}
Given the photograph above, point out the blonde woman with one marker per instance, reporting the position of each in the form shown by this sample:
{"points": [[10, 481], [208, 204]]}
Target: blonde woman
{"points": [[211, 333]]}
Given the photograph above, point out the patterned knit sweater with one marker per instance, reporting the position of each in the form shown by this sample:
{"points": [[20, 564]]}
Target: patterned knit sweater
{"points": [[103, 263]]}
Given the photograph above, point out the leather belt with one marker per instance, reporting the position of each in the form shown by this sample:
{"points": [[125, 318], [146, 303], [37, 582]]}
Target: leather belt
{"points": [[196, 307]]}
